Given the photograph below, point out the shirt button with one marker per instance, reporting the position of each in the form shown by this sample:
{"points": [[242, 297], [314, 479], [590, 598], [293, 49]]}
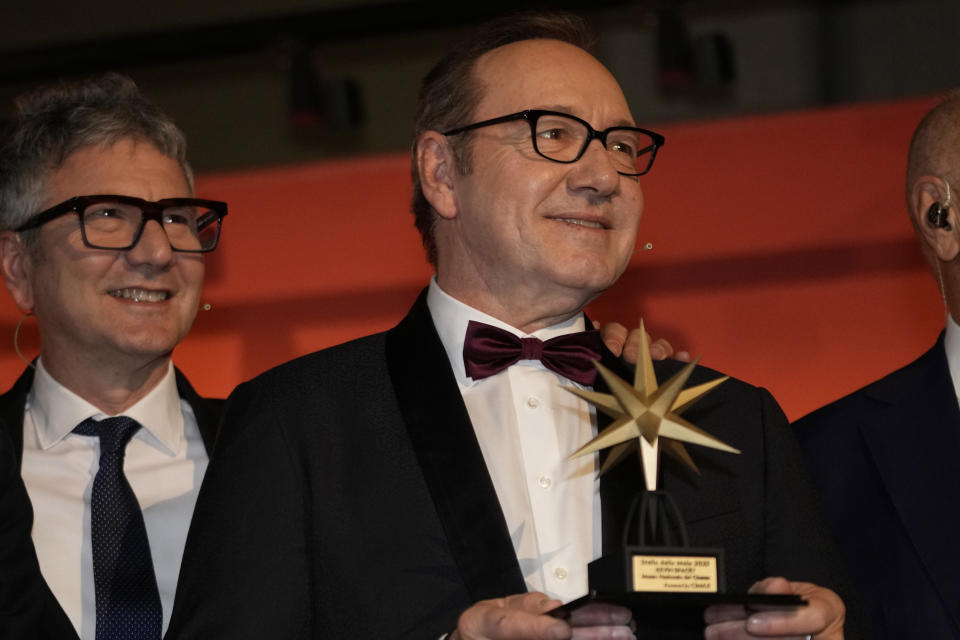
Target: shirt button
{"points": [[544, 482], [533, 402], [560, 573]]}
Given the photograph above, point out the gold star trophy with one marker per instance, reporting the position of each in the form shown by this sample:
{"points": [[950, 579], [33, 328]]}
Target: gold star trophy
{"points": [[646, 419]]}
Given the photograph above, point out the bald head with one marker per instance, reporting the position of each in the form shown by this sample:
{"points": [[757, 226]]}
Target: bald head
{"points": [[933, 170], [935, 147]]}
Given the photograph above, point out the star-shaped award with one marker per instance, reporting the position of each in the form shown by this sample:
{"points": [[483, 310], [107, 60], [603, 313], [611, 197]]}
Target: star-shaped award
{"points": [[648, 411]]}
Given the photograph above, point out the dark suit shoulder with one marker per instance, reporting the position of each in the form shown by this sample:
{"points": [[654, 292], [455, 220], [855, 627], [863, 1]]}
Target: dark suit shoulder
{"points": [[733, 391], [334, 384], [666, 368], [328, 363], [830, 421]]}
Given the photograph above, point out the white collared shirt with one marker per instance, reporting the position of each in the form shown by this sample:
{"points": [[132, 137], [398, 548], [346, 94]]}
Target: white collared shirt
{"points": [[527, 426], [951, 343], [164, 463]]}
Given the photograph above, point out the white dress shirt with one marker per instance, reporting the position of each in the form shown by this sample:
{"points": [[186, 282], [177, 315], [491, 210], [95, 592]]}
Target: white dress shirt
{"points": [[164, 463], [527, 426], [951, 342]]}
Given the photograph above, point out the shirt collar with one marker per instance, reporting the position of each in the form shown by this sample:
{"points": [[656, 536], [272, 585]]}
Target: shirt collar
{"points": [[450, 317], [951, 343], [56, 410]]}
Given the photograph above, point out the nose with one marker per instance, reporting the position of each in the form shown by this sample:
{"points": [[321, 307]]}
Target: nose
{"points": [[594, 173], [153, 248]]}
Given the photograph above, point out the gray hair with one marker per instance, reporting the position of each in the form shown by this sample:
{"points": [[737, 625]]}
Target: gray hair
{"points": [[56, 120]]}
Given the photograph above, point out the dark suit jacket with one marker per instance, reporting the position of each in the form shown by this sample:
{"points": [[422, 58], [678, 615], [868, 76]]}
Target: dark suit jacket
{"points": [[23, 593], [348, 498], [16, 517], [885, 459]]}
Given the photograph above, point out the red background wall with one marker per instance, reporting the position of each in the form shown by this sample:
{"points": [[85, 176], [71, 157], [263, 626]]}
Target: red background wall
{"points": [[782, 254]]}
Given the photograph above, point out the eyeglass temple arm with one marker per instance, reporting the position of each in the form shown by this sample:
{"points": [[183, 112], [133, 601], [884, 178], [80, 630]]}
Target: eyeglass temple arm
{"points": [[206, 219]]}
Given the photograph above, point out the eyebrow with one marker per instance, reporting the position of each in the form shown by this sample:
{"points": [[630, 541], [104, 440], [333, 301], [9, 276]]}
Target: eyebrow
{"points": [[566, 109]]}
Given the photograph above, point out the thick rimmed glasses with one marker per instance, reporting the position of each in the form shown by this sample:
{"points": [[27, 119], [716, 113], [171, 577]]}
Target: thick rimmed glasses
{"points": [[116, 222], [562, 137]]}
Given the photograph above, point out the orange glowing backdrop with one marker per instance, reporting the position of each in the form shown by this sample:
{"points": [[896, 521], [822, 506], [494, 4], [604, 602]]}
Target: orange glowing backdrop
{"points": [[782, 254]]}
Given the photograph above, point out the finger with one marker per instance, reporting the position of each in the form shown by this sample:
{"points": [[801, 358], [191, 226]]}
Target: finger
{"points": [[724, 613], [736, 630], [727, 612], [532, 601], [729, 630], [682, 356], [819, 618], [783, 624], [661, 349], [600, 614], [506, 624], [603, 633], [775, 584], [519, 616], [631, 351], [614, 336], [823, 616]]}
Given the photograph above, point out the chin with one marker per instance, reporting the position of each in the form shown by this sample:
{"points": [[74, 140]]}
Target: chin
{"points": [[150, 343], [588, 275]]}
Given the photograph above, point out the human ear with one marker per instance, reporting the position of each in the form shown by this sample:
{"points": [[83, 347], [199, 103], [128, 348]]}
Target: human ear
{"points": [[436, 166], [15, 264], [934, 214]]}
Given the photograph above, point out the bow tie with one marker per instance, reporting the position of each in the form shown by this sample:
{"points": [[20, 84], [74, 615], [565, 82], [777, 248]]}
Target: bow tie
{"points": [[488, 350]]}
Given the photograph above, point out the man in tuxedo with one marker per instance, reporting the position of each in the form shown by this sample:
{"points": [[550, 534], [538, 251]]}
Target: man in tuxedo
{"points": [[103, 244], [393, 487], [885, 456]]}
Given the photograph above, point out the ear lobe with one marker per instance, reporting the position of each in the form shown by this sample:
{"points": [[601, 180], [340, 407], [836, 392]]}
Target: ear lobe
{"points": [[15, 264], [436, 166], [943, 242]]}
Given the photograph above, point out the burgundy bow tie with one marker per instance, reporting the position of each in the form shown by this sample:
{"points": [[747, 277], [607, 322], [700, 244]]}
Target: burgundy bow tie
{"points": [[488, 350]]}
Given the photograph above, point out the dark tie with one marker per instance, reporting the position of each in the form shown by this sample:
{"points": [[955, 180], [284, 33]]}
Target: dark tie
{"points": [[488, 350], [128, 602]]}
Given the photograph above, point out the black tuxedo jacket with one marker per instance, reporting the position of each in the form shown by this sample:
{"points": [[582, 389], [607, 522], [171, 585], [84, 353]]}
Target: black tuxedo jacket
{"points": [[348, 498], [885, 459], [23, 593], [39, 615]]}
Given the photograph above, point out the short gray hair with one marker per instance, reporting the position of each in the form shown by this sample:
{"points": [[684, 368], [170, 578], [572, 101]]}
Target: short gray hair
{"points": [[54, 121]]}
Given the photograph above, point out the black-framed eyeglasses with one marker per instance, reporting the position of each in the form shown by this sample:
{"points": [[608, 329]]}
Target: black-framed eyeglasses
{"points": [[562, 137], [116, 222]]}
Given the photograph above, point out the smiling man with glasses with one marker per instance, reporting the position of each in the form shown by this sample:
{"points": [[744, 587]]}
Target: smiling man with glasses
{"points": [[110, 439], [417, 483]]}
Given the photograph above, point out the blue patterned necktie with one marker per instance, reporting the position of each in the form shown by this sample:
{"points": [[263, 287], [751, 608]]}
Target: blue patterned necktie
{"points": [[128, 602]]}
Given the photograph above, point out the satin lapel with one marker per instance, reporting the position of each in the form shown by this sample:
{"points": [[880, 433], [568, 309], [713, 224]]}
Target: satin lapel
{"points": [[451, 460], [913, 435], [12, 404], [206, 410]]}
